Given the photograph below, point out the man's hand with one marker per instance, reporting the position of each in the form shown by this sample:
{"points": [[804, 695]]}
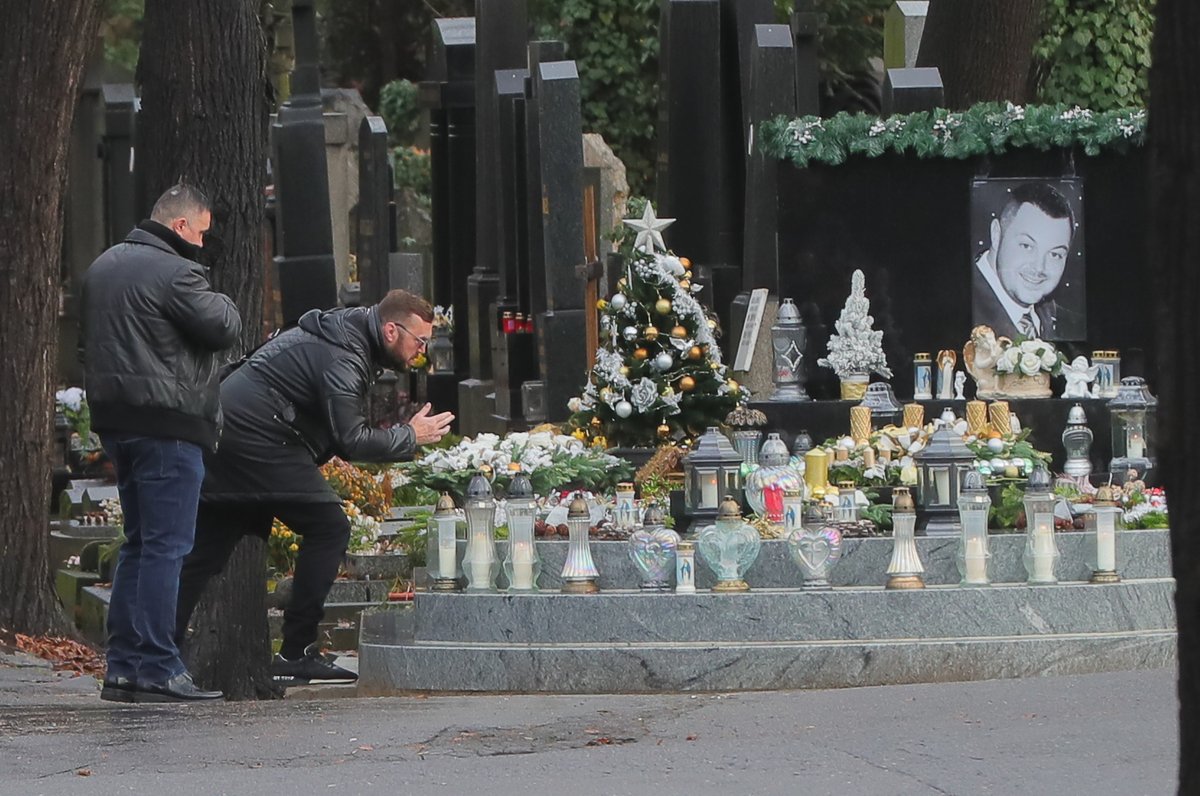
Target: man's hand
{"points": [[430, 428]]}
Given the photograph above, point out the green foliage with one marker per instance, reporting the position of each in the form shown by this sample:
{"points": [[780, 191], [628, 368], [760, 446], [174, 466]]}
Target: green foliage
{"points": [[413, 495], [615, 47], [878, 513], [412, 170], [1006, 511], [850, 34], [400, 111], [410, 537], [122, 32], [1095, 53], [988, 128]]}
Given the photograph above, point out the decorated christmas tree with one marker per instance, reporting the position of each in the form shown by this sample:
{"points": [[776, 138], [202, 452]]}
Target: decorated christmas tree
{"points": [[658, 372], [854, 347]]}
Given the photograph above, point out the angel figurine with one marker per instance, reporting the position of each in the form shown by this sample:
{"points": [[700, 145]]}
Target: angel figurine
{"points": [[960, 384], [946, 360], [1079, 375]]}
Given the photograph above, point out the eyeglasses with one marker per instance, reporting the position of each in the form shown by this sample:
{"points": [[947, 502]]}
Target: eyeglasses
{"points": [[423, 342]]}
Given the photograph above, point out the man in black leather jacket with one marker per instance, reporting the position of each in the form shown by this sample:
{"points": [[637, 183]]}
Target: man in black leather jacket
{"points": [[151, 333], [292, 405]]}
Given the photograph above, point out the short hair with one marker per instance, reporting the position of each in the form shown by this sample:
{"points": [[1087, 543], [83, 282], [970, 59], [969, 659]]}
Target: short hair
{"points": [[180, 201], [1044, 197], [399, 303]]}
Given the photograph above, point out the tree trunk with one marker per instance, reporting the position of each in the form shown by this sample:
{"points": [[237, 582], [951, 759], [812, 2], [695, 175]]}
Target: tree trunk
{"points": [[204, 114], [982, 47], [44, 46], [1174, 244]]}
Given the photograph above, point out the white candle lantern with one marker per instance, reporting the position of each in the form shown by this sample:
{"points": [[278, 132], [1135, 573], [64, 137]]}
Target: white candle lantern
{"points": [[481, 564], [973, 507], [1100, 522], [941, 466], [685, 568], [523, 565], [1041, 550], [624, 512], [1133, 414], [1077, 442], [905, 570], [441, 547], [711, 470], [579, 573]]}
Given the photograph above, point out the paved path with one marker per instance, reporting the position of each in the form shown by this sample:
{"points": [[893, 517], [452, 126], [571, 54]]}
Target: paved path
{"points": [[1094, 734]]}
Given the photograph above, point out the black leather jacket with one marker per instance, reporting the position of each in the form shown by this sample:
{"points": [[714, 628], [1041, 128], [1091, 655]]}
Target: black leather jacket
{"points": [[297, 401], [150, 337]]}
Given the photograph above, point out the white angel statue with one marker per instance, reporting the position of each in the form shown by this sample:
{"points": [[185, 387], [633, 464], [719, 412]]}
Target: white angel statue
{"points": [[1079, 375]]}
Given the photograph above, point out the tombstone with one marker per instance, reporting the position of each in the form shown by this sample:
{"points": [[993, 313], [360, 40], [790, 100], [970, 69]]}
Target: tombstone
{"points": [[903, 25], [121, 209], [539, 52], [613, 196], [305, 263], [738, 20], [449, 95], [343, 113], [697, 152], [806, 24], [374, 195], [561, 328], [406, 271], [912, 90]]}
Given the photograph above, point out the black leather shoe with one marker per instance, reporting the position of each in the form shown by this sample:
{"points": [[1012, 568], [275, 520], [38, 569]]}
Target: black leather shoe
{"points": [[179, 688], [118, 689]]}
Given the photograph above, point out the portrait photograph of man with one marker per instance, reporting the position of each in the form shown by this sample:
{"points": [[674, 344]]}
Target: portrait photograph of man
{"points": [[1028, 275]]}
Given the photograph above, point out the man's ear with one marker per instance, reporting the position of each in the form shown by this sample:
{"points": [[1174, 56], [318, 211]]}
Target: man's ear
{"points": [[994, 231]]}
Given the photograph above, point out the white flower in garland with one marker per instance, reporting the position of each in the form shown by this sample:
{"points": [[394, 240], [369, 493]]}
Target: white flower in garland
{"points": [[644, 394], [855, 347]]}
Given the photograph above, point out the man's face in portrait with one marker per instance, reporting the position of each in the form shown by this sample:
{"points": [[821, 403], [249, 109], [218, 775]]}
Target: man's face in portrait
{"points": [[1030, 253]]}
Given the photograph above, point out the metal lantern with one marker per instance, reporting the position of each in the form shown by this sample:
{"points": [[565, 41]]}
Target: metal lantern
{"points": [[788, 338], [579, 573], [711, 470], [881, 400], [1077, 441], [523, 565], [904, 570], [973, 507], [1133, 414], [1041, 550], [1100, 523], [729, 546], [775, 475], [441, 350], [441, 546], [941, 466], [481, 565]]}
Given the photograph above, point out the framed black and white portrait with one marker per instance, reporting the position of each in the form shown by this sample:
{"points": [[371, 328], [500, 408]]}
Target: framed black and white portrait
{"points": [[1029, 271]]}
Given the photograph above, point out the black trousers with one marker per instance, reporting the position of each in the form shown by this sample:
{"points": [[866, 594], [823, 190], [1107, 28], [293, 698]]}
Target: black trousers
{"points": [[220, 526]]}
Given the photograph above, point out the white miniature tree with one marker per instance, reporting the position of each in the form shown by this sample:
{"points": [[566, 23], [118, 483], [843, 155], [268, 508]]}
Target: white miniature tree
{"points": [[855, 347]]}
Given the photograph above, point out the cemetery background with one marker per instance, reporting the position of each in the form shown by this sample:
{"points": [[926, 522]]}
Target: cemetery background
{"points": [[477, 351]]}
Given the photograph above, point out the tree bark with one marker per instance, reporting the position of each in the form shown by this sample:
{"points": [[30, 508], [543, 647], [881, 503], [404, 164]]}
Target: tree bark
{"points": [[44, 49], [1174, 248], [983, 48], [203, 76]]}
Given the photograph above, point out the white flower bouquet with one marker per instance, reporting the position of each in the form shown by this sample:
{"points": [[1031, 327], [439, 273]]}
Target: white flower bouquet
{"points": [[1028, 357]]}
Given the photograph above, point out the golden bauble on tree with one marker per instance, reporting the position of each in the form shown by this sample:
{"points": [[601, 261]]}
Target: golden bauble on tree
{"points": [[651, 333], [712, 324], [686, 284], [695, 352], [733, 385], [679, 333], [685, 262], [662, 306], [687, 384], [621, 283], [687, 274], [664, 431], [625, 370], [715, 365], [640, 353]]}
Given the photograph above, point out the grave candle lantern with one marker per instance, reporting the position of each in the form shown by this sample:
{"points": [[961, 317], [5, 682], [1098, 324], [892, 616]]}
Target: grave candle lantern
{"points": [[973, 507], [480, 564], [711, 470], [441, 350], [579, 573], [941, 466], [441, 547], [730, 546], [1100, 522], [1133, 414], [1077, 441], [904, 570], [788, 338], [1041, 550], [523, 565]]}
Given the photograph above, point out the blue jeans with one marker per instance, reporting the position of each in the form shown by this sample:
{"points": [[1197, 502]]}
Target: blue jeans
{"points": [[159, 483]]}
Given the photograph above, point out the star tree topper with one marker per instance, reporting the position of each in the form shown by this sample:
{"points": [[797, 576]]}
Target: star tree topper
{"points": [[649, 230]]}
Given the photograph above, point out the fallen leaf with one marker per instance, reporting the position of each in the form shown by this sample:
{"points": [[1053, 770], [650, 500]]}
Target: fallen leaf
{"points": [[367, 747], [692, 737], [84, 772]]}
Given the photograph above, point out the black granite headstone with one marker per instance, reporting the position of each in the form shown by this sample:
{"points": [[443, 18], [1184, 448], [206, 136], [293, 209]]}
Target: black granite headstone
{"points": [[449, 95], [560, 336], [912, 90], [406, 271], [738, 20], [512, 226], [698, 151], [374, 196], [806, 23], [539, 52], [121, 211], [304, 236]]}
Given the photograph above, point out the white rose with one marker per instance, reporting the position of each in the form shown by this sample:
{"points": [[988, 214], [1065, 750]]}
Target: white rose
{"points": [[1049, 358], [1031, 364], [1031, 347]]}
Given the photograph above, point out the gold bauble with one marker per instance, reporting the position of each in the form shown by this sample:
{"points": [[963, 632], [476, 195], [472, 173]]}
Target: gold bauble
{"points": [[640, 353], [621, 283], [685, 262], [687, 384], [679, 333], [687, 274], [715, 365], [664, 431], [695, 352], [624, 370], [662, 306], [686, 284], [733, 385], [651, 333], [712, 324]]}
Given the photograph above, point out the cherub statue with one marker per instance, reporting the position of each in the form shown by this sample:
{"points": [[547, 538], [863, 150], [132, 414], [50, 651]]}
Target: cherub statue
{"points": [[980, 355], [960, 383], [1079, 375]]}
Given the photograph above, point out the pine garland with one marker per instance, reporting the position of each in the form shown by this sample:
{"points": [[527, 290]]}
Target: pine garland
{"points": [[989, 128]]}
